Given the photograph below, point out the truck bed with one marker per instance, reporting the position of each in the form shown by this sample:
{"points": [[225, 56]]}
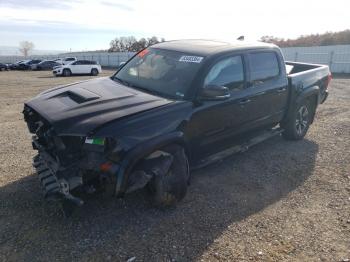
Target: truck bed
{"points": [[303, 75]]}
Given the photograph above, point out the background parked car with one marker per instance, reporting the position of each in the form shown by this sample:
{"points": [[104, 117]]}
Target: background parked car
{"points": [[14, 66], [45, 65], [28, 64], [66, 60], [8, 65], [79, 67], [3, 67]]}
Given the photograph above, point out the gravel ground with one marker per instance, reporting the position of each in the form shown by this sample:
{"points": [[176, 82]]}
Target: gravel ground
{"points": [[279, 201]]}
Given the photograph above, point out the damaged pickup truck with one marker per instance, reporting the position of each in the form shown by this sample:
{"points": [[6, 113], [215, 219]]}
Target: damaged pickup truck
{"points": [[173, 107]]}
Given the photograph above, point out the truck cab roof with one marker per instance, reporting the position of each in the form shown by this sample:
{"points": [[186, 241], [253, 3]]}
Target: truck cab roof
{"points": [[210, 47]]}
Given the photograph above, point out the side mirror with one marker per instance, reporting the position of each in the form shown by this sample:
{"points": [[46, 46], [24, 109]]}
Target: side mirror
{"points": [[214, 92]]}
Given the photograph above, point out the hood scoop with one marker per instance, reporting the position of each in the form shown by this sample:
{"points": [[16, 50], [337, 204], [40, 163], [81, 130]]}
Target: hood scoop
{"points": [[81, 95]]}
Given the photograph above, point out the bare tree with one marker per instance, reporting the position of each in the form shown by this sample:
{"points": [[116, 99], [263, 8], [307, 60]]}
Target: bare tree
{"points": [[122, 44], [131, 44], [25, 47]]}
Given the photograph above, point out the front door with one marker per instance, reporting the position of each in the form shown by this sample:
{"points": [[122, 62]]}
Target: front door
{"points": [[215, 123]]}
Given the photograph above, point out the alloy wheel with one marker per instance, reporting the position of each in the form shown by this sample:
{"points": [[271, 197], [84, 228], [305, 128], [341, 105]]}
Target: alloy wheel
{"points": [[302, 119]]}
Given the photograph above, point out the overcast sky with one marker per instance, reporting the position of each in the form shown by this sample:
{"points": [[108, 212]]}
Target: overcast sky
{"points": [[91, 24]]}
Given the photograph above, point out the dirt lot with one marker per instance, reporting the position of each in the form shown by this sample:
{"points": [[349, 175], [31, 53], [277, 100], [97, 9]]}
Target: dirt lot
{"points": [[279, 201]]}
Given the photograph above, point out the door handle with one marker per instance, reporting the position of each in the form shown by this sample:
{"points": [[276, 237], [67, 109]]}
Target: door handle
{"points": [[282, 89], [244, 101]]}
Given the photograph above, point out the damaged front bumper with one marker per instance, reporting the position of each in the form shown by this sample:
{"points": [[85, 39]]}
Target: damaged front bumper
{"points": [[57, 180], [68, 183], [69, 166]]}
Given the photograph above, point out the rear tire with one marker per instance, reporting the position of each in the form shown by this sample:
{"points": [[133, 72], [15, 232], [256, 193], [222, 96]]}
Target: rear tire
{"points": [[94, 72], [66, 72], [298, 123], [170, 188]]}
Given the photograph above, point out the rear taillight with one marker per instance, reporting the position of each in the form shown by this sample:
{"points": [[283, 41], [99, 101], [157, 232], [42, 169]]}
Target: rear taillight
{"points": [[329, 78]]}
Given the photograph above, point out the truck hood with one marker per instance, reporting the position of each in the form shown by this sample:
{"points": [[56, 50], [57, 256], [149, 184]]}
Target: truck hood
{"points": [[79, 108]]}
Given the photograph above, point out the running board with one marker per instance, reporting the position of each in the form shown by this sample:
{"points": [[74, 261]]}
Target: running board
{"points": [[238, 148]]}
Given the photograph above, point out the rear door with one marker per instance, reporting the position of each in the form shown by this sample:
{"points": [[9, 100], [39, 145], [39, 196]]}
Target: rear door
{"points": [[268, 87], [86, 67]]}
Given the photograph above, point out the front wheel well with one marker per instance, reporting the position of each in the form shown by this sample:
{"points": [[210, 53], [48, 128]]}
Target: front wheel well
{"points": [[171, 149], [66, 70], [168, 148], [170, 175]]}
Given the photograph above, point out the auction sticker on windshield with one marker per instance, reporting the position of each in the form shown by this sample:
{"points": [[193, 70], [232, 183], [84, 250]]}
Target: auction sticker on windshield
{"points": [[191, 59]]}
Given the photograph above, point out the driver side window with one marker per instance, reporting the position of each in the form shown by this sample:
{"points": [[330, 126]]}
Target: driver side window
{"points": [[227, 72]]}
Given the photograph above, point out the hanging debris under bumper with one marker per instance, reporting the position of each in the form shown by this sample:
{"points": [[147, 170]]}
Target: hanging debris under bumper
{"points": [[54, 184]]}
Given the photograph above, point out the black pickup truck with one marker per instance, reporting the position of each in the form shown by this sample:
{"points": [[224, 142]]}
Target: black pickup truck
{"points": [[172, 107]]}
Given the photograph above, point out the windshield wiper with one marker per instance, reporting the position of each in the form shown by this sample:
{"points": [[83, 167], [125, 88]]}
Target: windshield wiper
{"points": [[126, 83], [151, 91], [146, 90]]}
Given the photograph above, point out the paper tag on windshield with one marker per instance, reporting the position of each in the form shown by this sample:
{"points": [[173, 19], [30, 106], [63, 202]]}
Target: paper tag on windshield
{"points": [[191, 59]]}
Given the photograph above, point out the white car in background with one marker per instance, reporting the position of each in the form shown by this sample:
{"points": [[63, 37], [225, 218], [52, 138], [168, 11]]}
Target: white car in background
{"points": [[80, 67], [66, 60]]}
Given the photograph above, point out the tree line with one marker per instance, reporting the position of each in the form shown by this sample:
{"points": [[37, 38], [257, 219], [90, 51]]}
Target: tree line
{"points": [[328, 38], [131, 44]]}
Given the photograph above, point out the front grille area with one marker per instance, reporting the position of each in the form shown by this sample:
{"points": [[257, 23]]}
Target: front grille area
{"points": [[65, 149], [58, 157]]}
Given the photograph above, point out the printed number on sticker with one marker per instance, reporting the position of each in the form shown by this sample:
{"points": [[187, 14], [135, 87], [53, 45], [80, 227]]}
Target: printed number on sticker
{"points": [[190, 59]]}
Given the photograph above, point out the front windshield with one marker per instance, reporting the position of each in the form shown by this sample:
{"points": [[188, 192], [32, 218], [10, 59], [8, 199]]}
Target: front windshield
{"points": [[162, 72]]}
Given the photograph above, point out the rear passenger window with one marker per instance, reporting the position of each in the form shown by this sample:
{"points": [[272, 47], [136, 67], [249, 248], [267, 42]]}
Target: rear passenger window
{"points": [[263, 66], [227, 72]]}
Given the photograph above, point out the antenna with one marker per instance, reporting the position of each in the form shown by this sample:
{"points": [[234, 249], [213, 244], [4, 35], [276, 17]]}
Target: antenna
{"points": [[241, 38]]}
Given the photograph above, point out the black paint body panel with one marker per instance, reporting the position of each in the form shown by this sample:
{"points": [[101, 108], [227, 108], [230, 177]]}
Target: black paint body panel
{"points": [[141, 122]]}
